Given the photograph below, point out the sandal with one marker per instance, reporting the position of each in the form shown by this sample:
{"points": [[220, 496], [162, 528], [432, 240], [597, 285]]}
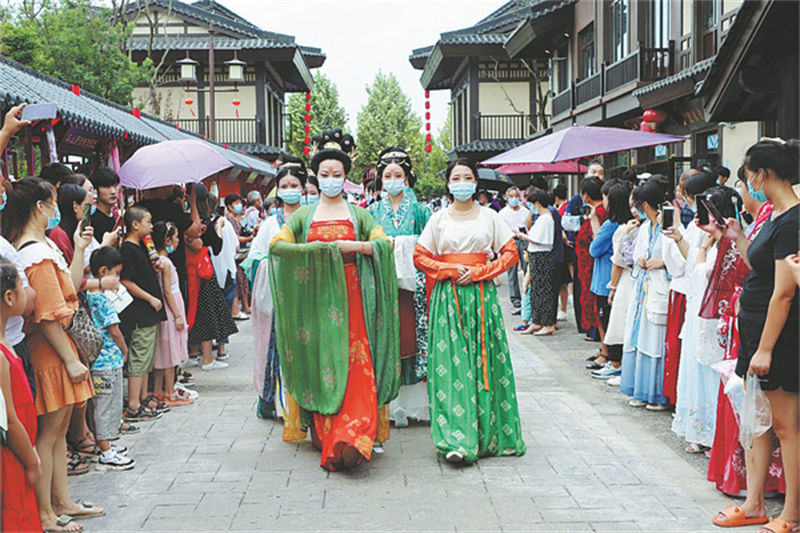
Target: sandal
{"points": [[693, 447], [597, 354], [140, 415], [735, 517], [88, 510], [159, 405], [777, 525], [85, 446], [175, 400], [76, 465], [61, 526], [128, 429]]}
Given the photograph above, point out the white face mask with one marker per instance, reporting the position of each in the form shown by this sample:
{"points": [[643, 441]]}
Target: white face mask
{"points": [[331, 187]]}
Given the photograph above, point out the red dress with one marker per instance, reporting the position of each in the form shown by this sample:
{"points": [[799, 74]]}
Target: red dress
{"points": [[19, 509], [588, 301], [356, 423], [672, 344]]}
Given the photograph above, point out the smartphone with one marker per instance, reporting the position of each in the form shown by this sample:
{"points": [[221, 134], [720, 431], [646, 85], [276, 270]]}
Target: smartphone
{"points": [[85, 222], [719, 219], [585, 210], [523, 229], [667, 216], [39, 111], [702, 210]]}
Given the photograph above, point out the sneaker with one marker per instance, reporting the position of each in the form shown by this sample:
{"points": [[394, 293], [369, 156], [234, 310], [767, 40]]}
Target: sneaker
{"points": [[657, 406], [517, 311], [119, 448], [454, 457], [241, 316], [112, 460], [561, 316], [192, 361], [400, 418], [185, 392], [606, 372], [614, 382], [223, 356], [637, 403], [377, 447], [215, 365]]}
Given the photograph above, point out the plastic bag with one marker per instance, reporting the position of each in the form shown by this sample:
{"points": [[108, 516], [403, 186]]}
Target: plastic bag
{"points": [[733, 385], [756, 415]]}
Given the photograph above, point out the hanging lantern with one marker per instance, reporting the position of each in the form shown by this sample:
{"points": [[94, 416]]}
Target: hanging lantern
{"points": [[188, 69], [308, 107], [308, 117], [308, 97], [235, 69], [307, 128], [307, 140], [427, 94], [428, 137], [645, 126], [306, 150], [427, 105], [236, 103], [428, 126], [654, 115], [428, 148], [189, 103]]}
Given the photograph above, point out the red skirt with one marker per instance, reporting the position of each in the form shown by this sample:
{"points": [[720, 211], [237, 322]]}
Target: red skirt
{"points": [[356, 423], [672, 344]]}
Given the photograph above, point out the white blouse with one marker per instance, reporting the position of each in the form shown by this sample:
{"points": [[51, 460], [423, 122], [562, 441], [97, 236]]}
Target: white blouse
{"points": [[484, 234], [543, 233]]}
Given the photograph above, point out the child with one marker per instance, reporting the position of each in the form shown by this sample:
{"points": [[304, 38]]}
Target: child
{"points": [[141, 318], [172, 347], [107, 368], [19, 463]]}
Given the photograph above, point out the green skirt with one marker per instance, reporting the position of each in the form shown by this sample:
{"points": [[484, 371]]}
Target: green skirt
{"points": [[465, 417]]}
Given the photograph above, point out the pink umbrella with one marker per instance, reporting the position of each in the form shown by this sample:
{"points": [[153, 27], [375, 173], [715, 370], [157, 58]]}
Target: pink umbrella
{"points": [[571, 167], [353, 188], [171, 163], [579, 142]]}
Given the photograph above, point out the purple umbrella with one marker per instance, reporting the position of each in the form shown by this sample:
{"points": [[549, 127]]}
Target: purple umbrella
{"points": [[578, 142], [171, 163]]}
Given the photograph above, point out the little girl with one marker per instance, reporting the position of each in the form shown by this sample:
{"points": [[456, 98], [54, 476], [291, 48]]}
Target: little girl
{"points": [[172, 347], [19, 462]]}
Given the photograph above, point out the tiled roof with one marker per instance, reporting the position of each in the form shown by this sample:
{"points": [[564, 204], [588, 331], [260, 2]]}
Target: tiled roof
{"points": [[201, 43], [472, 38], [257, 148], [487, 146], [202, 14], [19, 83], [697, 68]]}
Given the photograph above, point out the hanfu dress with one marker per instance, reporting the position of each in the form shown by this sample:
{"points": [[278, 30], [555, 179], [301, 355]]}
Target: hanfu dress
{"points": [[404, 227], [336, 327], [471, 386], [646, 324]]}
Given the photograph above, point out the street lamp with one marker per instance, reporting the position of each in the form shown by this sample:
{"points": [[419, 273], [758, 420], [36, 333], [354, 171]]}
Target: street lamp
{"points": [[188, 73]]}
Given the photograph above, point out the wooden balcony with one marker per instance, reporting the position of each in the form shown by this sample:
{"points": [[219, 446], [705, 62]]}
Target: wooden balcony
{"points": [[642, 65], [505, 127], [228, 130]]}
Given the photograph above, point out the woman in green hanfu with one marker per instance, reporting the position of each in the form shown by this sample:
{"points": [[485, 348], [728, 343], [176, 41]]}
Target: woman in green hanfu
{"points": [[403, 219], [334, 287], [474, 409]]}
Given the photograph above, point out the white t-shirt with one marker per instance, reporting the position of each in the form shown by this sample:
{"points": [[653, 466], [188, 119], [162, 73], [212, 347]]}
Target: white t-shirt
{"points": [[543, 232], [486, 233], [225, 261], [14, 324], [515, 218]]}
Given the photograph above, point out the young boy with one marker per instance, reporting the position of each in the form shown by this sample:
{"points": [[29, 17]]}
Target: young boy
{"points": [[107, 368], [141, 318]]}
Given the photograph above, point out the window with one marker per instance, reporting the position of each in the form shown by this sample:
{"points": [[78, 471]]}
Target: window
{"points": [[657, 25], [586, 57], [561, 68], [708, 13], [618, 28]]}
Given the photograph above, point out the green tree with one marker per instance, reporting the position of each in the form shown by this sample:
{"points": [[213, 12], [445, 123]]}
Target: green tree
{"points": [[73, 41], [326, 113]]}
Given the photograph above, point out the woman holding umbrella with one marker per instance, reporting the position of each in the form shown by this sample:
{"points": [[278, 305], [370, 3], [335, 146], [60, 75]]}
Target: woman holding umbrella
{"points": [[474, 408], [334, 286]]}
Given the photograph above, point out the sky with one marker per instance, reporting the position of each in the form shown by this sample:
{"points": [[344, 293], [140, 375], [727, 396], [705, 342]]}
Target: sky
{"points": [[362, 37]]}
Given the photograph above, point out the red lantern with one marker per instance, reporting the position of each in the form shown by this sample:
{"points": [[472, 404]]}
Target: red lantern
{"points": [[307, 140], [654, 115], [308, 97], [645, 126], [188, 101], [236, 102], [428, 148], [428, 137], [308, 117], [308, 107], [427, 94], [427, 115], [427, 105], [428, 126], [307, 129], [306, 150]]}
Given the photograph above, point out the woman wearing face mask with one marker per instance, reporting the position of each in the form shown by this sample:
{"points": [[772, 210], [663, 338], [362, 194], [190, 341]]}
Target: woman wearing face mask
{"points": [[676, 248], [470, 364], [234, 213], [311, 191], [643, 350], [62, 380], [273, 400], [769, 310], [334, 284], [403, 219]]}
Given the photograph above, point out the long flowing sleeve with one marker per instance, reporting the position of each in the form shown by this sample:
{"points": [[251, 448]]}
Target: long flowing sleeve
{"points": [[438, 270], [508, 257]]}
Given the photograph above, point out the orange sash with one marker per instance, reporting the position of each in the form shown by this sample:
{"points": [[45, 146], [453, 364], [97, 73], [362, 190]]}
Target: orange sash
{"points": [[472, 260]]}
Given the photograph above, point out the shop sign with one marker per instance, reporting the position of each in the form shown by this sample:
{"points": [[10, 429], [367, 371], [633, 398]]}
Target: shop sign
{"points": [[78, 140]]}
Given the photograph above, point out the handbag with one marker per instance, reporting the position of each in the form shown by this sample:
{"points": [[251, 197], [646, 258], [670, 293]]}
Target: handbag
{"points": [[83, 333]]}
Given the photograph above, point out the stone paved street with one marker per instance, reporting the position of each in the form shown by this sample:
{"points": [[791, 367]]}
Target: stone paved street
{"points": [[593, 464]]}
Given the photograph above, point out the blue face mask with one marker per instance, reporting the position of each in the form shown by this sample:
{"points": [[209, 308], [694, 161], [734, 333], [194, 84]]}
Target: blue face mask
{"points": [[237, 209], [185, 205], [394, 187], [463, 190], [5, 200], [273, 211], [55, 220], [311, 199], [290, 196], [92, 210], [170, 249], [641, 213], [331, 187], [758, 196], [513, 202]]}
